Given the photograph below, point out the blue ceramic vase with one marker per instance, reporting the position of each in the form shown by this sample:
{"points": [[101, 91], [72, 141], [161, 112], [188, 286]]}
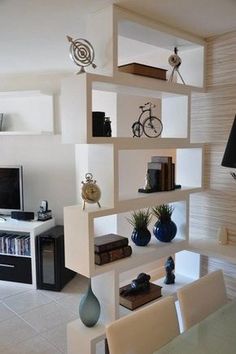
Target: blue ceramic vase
{"points": [[141, 237], [165, 231], [89, 308]]}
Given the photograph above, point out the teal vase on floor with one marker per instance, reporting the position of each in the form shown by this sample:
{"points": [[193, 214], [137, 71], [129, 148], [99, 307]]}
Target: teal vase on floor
{"points": [[89, 308]]}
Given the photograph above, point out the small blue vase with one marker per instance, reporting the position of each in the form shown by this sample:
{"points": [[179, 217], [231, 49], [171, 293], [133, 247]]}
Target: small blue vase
{"points": [[141, 237], [89, 308], [165, 231]]}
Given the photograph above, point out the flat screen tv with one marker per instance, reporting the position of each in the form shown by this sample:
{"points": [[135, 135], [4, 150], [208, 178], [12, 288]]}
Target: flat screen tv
{"points": [[11, 189]]}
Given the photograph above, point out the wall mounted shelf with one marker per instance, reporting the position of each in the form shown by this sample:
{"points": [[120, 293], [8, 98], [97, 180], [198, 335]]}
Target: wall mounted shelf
{"points": [[26, 113]]}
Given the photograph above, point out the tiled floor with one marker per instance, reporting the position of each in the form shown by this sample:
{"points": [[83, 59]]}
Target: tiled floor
{"points": [[34, 321]]}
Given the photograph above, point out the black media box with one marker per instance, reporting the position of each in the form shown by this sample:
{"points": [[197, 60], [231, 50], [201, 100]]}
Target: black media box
{"points": [[50, 260], [22, 215]]}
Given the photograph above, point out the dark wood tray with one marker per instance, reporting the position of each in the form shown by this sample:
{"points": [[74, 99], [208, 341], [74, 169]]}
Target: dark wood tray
{"points": [[132, 302], [144, 70]]}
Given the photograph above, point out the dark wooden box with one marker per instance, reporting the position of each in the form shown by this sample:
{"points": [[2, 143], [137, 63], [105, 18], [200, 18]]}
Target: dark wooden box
{"points": [[132, 302], [144, 70]]}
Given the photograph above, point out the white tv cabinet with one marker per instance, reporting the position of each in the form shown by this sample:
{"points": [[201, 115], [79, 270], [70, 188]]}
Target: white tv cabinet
{"points": [[13, 266], [118, 163]]}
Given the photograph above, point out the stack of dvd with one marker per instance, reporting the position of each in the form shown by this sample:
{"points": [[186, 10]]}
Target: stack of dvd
{"points": [[15, 244]]}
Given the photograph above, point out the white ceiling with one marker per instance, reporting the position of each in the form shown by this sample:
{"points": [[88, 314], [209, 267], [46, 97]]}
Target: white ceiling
{"points": [[32, 32]]}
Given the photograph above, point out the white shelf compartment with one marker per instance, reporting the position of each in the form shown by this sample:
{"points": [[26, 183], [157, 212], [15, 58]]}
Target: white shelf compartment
{"points": [[143, 255], [79, 245], [79, 336], [144, 200], [120, 99], [132, 167], [121, 36], [167, 290], [211, 247], [120, 173], [26, 113]]}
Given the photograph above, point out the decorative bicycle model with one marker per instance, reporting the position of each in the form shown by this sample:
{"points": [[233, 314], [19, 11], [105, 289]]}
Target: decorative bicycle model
{"points": [[147, 124]]}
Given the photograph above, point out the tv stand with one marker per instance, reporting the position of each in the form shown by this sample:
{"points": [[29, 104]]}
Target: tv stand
{"points": [[17, 249]]}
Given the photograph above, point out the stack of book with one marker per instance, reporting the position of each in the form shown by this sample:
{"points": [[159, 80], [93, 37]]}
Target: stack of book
{"points": [[111, 247], [160, 174]]}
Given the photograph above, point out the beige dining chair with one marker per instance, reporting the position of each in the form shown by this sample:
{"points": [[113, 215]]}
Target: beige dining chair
{"points": [[145, 330], [201, 298]]}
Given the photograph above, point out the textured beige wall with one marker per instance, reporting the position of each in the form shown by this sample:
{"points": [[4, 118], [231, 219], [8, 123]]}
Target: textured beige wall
{"points": [[212, 117]]}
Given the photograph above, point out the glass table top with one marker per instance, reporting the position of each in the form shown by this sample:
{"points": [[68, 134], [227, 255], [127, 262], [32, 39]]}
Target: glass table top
{"points": [[216, 334]]}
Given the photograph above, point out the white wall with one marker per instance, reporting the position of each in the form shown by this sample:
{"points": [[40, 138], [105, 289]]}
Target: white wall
{"points": [[49, 165]]}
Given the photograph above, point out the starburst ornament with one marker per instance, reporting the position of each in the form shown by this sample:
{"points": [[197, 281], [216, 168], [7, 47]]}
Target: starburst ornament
{"points": [[81, 53]]}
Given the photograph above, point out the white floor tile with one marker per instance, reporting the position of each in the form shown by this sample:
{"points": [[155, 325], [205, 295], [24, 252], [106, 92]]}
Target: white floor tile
{"points": [[9, 289], [71, 302], [57, 336], [47, 316], [24, 302], [13, 331], [77, 285], [36, 345], [5, 313]]}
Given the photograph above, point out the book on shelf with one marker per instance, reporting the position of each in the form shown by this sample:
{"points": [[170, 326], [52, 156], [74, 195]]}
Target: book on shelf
{"points": [[112, 255], [154, 179], [173, 176], [109, 242], [161, 175], [154, 165], [167, 167], [157, 177]]}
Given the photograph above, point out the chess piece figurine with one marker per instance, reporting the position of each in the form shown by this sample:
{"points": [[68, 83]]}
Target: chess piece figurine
{"points": [[169, 267]]}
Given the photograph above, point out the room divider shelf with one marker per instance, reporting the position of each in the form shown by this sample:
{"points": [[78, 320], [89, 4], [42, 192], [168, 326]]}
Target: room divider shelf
{"points": [[118, 163]]}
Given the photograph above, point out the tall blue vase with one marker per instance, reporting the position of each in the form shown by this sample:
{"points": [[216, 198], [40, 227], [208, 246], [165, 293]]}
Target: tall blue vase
{"points": [[165, 231], [89, 308], [141, 237]]}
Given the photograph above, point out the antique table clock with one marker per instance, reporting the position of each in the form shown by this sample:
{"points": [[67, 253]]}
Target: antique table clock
{"points": [[90, 191]]}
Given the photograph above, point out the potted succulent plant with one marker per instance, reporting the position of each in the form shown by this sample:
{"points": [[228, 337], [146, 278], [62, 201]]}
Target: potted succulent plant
{"points": [[164, 229], [140, 220]]}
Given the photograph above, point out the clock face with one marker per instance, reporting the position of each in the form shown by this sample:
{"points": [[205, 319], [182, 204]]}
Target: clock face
{"points": [[91, 193]]}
